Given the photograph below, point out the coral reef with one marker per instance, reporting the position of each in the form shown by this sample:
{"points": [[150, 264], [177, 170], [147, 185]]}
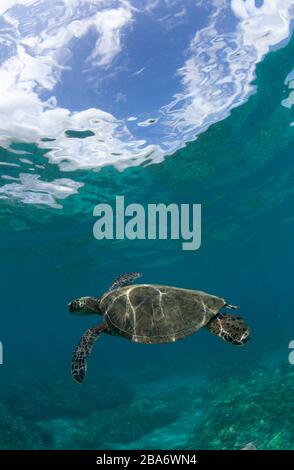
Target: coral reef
{"points": [[225, 412], [258, 408], [18, 434]]}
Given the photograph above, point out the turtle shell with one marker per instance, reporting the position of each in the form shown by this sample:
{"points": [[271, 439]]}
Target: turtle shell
{"points": [[157, 314]]}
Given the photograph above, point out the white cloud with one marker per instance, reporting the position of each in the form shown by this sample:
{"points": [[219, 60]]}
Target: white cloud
{"points": [[35, 65], [31, 190], [6, 4], [264, 26], [38, 58], [109, 25], [217, 75], [138, 72], [147, 122]]}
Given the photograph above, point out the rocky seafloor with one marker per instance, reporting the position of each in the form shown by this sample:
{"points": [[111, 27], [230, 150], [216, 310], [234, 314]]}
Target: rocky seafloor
{"points": [[180, 413]]}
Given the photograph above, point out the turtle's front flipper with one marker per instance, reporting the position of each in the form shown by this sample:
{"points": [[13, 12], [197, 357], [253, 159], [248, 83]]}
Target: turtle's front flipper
{"points": [[124, 280], [230, 328], [83, 351]]}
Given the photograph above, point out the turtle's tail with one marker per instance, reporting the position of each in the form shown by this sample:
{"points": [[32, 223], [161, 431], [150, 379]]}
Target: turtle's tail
{"points": [[231, 307], [230, 328]]}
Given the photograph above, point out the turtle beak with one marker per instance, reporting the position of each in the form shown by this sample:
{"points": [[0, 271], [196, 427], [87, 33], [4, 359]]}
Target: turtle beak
{"points": [[71, 307]]}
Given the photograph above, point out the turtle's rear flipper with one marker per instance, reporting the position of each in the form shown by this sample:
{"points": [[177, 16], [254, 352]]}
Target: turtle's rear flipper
{"points": [[124, 280], [83, 351], [230, 328]]}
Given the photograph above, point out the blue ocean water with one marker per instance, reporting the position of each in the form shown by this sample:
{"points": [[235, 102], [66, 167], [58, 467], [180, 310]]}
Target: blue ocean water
{"points": [[195, 393]]}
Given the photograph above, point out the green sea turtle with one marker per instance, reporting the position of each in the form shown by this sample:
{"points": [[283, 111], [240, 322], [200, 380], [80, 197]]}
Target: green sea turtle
{"points": [[153, 314]]}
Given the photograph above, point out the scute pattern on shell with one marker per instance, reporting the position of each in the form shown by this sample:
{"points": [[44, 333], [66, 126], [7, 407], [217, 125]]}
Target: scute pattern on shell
{"points": [[158, 314]]}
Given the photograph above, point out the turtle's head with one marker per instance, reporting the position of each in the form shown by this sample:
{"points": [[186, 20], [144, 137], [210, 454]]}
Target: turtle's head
{"points": [[85, 306]]}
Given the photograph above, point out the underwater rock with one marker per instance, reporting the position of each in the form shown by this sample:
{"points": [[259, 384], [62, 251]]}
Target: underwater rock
{"points": [[150, 410], [106, 414], [17, 434], [123, 425], [258, 408], [40, 400]]}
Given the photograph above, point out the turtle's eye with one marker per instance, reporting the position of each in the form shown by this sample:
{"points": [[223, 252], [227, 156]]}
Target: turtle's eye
{"points": [[76, 305], [83, 306]]}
